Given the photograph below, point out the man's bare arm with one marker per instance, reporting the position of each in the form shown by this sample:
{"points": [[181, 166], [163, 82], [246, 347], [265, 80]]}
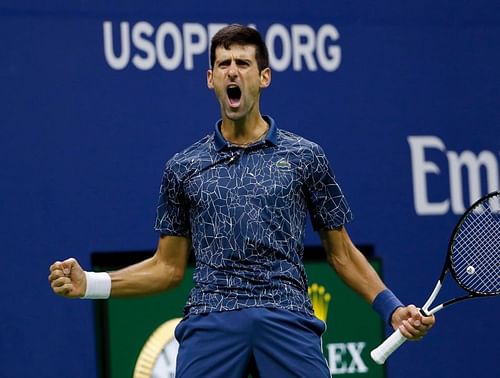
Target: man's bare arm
{"points": [[350, 264], [355, 270], [164, 270]]}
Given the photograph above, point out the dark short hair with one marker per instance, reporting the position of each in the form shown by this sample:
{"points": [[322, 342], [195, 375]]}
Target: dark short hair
{"points": [[236, 34]]}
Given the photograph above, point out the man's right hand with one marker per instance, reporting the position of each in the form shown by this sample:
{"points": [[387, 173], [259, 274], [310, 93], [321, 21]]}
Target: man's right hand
{"points": [[67, 278]]}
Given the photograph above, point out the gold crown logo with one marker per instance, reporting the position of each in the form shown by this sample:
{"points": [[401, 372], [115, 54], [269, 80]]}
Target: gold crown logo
{"points": [[319, 299]]}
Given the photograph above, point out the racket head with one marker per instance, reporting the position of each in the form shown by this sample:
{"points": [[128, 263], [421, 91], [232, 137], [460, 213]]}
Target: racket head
{"points": [[474, 247]]}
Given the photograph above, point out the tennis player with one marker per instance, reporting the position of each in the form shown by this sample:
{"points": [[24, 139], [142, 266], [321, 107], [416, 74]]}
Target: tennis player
{"points": [[239, 198]]}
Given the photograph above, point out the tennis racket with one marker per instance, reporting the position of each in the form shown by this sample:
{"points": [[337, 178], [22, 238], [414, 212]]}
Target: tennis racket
{"points": [[473, 260]]}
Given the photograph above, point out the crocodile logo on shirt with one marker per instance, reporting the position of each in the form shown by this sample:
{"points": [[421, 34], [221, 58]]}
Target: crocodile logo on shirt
{"points": [[283, 164]]}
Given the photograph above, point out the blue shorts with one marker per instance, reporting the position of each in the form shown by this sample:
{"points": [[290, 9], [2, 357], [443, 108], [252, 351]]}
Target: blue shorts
{"points": [[265, 342]]}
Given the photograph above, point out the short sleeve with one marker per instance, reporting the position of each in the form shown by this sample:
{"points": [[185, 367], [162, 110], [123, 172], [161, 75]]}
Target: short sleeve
{"points": [[327, 204], [172, 212]]}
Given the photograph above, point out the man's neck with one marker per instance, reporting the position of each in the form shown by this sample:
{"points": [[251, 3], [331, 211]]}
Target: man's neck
{"points": [[244, 131]]}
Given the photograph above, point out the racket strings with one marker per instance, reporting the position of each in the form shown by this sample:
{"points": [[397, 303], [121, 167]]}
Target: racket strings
{"points": [[482, 253], [477, 272], [476, 249]]}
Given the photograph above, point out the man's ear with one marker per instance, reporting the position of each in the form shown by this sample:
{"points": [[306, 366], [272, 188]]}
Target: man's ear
{"points": [[210, 81], [265, 77]]}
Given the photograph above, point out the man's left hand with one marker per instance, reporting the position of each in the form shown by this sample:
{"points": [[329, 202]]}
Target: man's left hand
{"points": [[410, 321]]}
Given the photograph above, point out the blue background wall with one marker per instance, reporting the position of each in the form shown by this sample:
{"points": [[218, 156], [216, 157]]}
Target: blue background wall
{"points": [[83, 146]]}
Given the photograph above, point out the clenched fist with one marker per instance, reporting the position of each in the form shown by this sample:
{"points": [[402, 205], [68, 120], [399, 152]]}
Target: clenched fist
{"points": [[67, 278]]}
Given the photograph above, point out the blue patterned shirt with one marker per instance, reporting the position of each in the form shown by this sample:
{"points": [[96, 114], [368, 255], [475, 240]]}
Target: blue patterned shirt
{"points": [[245, 210]]}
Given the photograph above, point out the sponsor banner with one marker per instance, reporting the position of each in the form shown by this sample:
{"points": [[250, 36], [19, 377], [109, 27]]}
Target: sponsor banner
{"points": [[464, 172], [171, 46]]}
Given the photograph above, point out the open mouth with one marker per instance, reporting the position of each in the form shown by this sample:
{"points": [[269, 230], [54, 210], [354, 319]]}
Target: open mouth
{"points": [[234, 95]]}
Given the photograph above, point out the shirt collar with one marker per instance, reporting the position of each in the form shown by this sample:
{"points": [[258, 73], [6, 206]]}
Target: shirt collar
{"points": [[271, 135]]}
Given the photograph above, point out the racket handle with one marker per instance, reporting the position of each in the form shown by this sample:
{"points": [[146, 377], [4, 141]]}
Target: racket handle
{"points": [[384, 350]]}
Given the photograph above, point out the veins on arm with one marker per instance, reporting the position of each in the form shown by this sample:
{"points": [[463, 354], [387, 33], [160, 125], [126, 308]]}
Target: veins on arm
{"points": [[350, 264], [163, 271]]}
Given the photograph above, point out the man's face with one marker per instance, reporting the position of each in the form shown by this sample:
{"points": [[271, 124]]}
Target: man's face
{"points": [[236, 80]]}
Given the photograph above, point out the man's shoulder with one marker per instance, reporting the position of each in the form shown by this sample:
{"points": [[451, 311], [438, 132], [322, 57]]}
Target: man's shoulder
{"points": [[201, 146], [197, 151], [288, 139]]}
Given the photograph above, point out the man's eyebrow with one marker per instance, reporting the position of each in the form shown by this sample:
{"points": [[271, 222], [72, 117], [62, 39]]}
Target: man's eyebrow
{"points": [[242, 60], [236, 59]]}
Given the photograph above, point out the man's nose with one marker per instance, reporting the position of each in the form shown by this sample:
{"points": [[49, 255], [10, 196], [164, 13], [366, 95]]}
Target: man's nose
{"points": [[232, 71]]}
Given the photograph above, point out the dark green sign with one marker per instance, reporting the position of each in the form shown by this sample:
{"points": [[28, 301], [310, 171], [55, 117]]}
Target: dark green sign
{"points": [[125, 326]]}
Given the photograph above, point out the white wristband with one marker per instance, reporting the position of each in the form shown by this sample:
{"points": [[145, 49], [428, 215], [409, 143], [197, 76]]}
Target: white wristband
{"points": [[98, 285]]}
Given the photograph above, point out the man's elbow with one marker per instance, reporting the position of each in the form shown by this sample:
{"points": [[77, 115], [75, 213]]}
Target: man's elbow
{"points": [[176, 277], [338, 262], [168, 277]]}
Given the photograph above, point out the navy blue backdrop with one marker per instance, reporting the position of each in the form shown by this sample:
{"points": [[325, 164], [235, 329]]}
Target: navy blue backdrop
{"points": [[96, 96]]}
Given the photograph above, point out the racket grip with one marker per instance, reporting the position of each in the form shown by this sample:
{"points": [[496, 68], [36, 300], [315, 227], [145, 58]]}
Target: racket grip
{"points": [[384, 350]]}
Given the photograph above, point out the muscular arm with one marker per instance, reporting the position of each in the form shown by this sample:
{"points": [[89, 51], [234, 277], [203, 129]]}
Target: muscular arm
{"points": [[350, 264], [356, 272], [164, 270]]}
